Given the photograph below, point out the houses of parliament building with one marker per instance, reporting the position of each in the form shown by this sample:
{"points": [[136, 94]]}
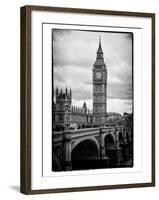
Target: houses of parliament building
{"points": [[64, 113]]}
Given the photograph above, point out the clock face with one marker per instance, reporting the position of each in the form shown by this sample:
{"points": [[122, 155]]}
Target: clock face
{"points": [[98, 75]]}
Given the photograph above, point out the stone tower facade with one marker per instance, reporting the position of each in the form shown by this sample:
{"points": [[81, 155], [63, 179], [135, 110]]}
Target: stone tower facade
{"points": [[63, 107], [99, 88], [65, 115]]}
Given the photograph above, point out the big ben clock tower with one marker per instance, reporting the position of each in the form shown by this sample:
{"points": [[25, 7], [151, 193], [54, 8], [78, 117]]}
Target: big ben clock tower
{"points": [[99, 88]]}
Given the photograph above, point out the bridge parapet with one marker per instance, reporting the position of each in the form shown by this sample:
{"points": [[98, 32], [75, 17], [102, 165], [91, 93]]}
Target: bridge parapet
{"points": [[57, 136], [73, 134], [111, 128], [85, 132], [67, 136]]}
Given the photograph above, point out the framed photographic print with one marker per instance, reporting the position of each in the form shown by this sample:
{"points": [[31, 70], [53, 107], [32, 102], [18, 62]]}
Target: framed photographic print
{"points": [[87, 99]]}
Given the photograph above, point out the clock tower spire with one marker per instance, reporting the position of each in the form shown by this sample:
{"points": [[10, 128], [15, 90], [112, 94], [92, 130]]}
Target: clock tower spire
{"points": [[99, 88]]}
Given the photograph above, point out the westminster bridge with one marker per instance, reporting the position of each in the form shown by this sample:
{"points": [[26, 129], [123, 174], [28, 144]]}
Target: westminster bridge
{"points": [[92, 148]]}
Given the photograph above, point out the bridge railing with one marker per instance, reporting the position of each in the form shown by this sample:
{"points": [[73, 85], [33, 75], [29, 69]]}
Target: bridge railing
{"points": [[84, 132], [59, 136], [113, 128]]}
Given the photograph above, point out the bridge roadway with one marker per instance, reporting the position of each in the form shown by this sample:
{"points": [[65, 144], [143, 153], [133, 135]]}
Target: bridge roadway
{"points": [[103, 139]]}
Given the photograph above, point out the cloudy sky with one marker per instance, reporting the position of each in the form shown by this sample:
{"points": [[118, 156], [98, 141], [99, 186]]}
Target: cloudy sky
{"points": [[74, 53]]}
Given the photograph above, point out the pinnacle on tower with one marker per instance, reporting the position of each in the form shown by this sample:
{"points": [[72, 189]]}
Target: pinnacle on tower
{"points": [[100, 47], [99, 59], [57, 91], [66, 89], [85, 107]]}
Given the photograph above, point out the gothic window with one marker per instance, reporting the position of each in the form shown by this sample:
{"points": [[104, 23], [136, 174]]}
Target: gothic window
{"points": [[60, 106], [96, 99], [67, 117], [56, 118], [95, 109], [60, 117], [95, 88], [99, 109]]}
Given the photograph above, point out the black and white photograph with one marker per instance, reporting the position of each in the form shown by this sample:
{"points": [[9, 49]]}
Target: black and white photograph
{"points": [[92, 100]]}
